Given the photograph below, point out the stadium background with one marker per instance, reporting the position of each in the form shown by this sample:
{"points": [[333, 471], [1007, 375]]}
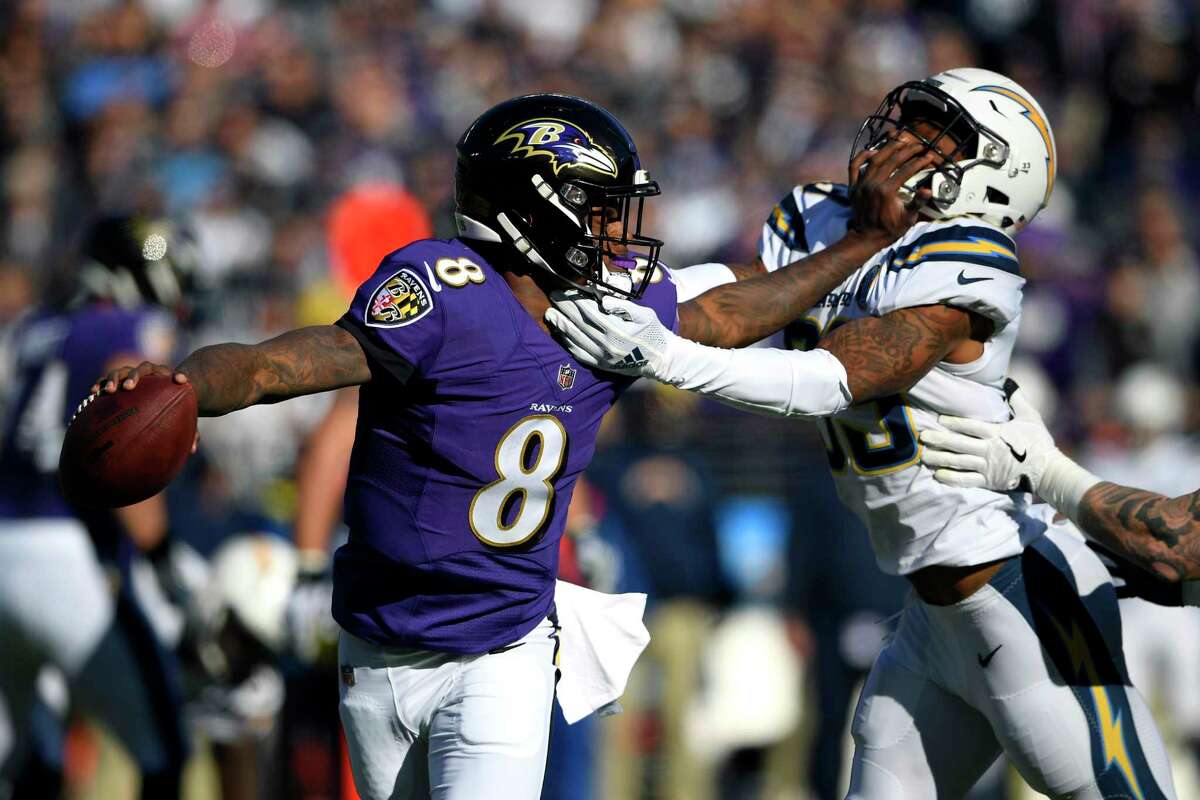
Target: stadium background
{"points": [[267, 125]]}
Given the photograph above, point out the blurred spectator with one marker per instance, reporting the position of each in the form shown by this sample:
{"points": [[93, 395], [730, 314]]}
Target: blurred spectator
{"points": [[829, 554], [656, 487], [256, 121], [1153, 292]]}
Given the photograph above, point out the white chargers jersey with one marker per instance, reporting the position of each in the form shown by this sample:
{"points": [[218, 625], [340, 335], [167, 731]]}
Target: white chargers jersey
{"points": [[873, 447]]}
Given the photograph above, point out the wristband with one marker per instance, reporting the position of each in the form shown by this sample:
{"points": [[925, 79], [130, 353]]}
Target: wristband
{"points": [[1063, 485]]}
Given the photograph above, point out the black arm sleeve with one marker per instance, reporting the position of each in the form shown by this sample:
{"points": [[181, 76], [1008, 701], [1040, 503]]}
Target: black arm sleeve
{"points": [[382, 360]]}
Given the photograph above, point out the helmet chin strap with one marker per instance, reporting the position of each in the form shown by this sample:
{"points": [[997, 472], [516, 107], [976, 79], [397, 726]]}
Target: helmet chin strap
{"points": [[469, 228], [523, 245]]}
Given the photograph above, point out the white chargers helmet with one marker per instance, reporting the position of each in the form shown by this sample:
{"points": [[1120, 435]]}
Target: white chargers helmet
{"points": [[252, 577], [999, 150]]}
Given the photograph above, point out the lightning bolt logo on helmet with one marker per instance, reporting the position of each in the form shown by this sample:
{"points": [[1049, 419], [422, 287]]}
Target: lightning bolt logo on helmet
{"points": [[566, 145]]}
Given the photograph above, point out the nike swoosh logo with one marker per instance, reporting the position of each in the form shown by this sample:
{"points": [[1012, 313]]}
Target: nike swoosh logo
{"points": [[963, 280], [985, 660], [1020, 457]]}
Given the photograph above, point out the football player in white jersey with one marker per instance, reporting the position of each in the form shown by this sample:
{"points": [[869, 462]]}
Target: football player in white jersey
{"points": [[1011, 642]]}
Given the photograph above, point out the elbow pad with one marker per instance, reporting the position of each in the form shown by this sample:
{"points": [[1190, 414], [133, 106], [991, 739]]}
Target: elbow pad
{"points": [[788, 383]]}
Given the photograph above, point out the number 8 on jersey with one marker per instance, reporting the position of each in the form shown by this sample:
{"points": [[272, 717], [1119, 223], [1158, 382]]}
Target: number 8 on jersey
{"points": [[528, 457]]}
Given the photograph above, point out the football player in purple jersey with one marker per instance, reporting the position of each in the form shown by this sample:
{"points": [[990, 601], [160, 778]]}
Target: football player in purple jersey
{"points": [[474, 424], [66, 599]]}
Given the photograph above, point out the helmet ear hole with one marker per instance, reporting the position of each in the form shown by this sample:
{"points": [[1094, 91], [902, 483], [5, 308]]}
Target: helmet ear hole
{"points": [[994, 195]]}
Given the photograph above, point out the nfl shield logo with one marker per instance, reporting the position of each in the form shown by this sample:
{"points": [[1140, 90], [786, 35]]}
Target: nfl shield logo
{"points": [[566, 376]]}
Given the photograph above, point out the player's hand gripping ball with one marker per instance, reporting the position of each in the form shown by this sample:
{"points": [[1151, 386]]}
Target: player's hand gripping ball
{"points": [[125, 447]]}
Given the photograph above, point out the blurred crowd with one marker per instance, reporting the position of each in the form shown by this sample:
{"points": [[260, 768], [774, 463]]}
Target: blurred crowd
{"points": [[272, 128]]}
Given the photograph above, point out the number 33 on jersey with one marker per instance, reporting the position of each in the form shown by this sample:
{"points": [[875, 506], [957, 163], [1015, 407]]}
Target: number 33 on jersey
{"points": [[471, 434]]}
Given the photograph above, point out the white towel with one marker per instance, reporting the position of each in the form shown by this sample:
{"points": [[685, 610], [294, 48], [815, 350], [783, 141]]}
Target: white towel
{"points": [[601, 638]]}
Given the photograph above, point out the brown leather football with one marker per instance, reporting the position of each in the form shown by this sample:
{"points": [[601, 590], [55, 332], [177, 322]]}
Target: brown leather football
{"points": [[125, 447]]}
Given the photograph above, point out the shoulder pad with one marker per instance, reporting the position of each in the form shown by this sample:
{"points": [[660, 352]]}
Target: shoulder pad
{"points": [[788, 217], [982, 245], [837, 192], [428, 250], [786, 222]]}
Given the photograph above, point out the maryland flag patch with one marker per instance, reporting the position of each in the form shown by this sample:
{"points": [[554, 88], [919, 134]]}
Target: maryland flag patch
{"points": [[401, 300]]}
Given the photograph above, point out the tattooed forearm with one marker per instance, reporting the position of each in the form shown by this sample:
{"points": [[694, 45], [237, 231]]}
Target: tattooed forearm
{"points": [[738, 314], [744, 272], [316, 359], [888, 354], [1159, 533]]}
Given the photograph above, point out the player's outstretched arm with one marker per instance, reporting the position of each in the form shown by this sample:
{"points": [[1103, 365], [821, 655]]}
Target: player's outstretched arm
{"points": [[738, 314], [862, 360], [1158, 533], [228, 377]]}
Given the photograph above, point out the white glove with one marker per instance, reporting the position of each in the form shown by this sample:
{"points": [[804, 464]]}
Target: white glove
{"points": [[991, 455], [621, 337], [627, 338], [311, 630], [1005, 456]]}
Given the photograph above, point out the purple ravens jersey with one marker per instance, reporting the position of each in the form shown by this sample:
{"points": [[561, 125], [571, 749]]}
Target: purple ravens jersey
{"points": [[57, 357], [471, 434]]}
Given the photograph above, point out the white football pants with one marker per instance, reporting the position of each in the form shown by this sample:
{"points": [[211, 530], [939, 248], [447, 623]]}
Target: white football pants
{"points": [[1162, 648], [57, 608], [1030, 665], [424, 724]]}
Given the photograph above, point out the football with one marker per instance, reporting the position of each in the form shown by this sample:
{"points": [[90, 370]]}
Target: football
{"points": [[125, 447]]}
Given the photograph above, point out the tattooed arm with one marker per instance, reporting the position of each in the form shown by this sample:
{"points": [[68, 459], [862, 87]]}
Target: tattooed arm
{"points": [[888, 354], [737, 314], [744, 272], [227, 377], [1158, 533]]}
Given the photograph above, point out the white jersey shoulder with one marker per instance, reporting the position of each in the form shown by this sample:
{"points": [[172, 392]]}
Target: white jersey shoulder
{"points": [[806, 221], [963, 263], [874, 448]]}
